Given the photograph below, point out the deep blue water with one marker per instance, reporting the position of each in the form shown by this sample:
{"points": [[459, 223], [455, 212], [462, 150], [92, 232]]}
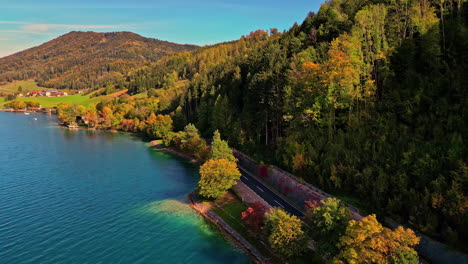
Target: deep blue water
{"points": [[79, 196]]}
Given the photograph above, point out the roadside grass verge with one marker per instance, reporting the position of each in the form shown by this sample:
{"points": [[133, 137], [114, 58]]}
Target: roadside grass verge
{"points": [[229, 208]]}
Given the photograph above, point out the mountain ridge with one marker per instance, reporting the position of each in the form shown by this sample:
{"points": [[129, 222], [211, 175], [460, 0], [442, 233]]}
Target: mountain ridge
{"points": [[99, 56]]}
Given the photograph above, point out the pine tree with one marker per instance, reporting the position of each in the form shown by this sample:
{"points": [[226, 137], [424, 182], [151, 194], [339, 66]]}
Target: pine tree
{"points": [[220, 148]]}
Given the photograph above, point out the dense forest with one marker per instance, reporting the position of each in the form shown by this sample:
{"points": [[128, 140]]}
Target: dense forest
{"points": [[80, 60], [365, 99]]}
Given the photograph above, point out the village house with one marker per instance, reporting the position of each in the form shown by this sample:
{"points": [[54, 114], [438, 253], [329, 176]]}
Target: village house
{"points": [[53, 93], [35, 93]]}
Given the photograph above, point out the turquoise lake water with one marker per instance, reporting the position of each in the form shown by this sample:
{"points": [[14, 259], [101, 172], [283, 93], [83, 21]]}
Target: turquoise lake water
{"points": [[79, 196]]}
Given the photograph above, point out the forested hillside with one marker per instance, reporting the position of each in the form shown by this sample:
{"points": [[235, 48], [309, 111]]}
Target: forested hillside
{"points": [[365, 99], [79, 60]]}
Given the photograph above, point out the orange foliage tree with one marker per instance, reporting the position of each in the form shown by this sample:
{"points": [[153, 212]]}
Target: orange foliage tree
{"points": [[369, 242]]}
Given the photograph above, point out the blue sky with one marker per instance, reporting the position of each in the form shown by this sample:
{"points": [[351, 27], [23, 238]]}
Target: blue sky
{"points": [[27, 23]]}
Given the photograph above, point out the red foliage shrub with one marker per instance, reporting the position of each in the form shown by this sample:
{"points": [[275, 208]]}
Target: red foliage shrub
{"points": [[253, 215]]}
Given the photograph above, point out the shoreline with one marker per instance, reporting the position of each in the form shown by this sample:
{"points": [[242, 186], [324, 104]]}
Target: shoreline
{"points": [[427, 246], [228, 232]]}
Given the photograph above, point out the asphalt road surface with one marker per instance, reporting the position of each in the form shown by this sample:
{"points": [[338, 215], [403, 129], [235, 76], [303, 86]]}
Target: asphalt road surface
{"points": [[269, 196]]}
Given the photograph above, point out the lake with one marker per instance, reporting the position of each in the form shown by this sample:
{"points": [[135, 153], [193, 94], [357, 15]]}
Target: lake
{"points": [[83, 196]]}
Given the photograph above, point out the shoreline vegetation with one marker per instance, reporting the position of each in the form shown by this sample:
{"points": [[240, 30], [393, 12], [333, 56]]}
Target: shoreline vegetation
{"points": [[188, 144], [205, 209], [364, 100], [195, 159]]}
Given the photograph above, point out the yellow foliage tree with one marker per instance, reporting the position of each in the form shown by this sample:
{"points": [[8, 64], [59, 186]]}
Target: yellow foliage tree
{"points": [[217, 176], [369, 242], [286, 234]]}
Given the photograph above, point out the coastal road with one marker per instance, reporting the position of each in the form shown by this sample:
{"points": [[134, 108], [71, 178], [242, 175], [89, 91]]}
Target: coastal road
{"points": [[268, 195]]}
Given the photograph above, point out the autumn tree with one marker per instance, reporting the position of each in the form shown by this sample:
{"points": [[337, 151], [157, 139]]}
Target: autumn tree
{"points": [[368, 241], [217, 176], [17, 105], [80, 110], [66, 113], [158, 126], [107, 116], [254, 215], [91, 117], [170, 80], [285, 233]]}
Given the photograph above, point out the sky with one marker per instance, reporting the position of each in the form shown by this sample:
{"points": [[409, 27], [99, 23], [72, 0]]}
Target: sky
{"points": [[28, 23]]}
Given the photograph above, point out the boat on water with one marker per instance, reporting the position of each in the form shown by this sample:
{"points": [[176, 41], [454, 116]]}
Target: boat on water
{"points": [[26, 113], [35, 118]]}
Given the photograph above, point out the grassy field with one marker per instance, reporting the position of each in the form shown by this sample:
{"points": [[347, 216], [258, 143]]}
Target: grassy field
{"points": [[54, 101], [26, 85], [140, 95]]}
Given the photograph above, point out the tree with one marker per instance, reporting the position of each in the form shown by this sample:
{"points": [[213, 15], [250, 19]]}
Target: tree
{"points": [[404, 256], [254, 215], [286, 234], [193, 143], [328, 222], [107, 116], [18, 105], [217, 176], [190, 130], [179, 119], [369, 242], [80, 110], [220, 148], [91, 117], [170, 80], [66, 113], [158, 126]]}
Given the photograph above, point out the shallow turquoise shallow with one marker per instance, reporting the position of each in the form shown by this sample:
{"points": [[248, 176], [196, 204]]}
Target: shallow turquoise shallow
{"points": [[97, 197]]}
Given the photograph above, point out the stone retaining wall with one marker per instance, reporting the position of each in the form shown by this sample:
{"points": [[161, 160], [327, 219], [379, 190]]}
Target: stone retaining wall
{"points": [[218, 221], [248, 196], [287, 184], [292, 188]]}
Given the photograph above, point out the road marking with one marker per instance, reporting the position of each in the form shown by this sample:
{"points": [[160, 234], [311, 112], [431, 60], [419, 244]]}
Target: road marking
{"points": [[279, 204], [245, 178], [271, 189], [260, 189]]}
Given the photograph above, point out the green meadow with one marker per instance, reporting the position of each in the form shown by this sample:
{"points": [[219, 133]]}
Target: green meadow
{"points": [[26, 85], [54, 101]]}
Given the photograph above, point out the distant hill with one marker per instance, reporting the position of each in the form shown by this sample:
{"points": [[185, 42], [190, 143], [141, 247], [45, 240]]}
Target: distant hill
{"points": [[80, 60]]}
